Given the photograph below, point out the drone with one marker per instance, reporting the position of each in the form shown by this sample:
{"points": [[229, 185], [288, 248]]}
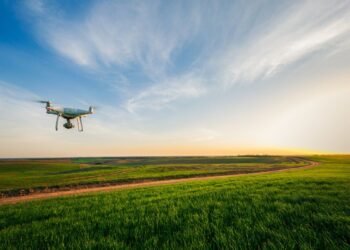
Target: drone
{"points": [[68, 114]]}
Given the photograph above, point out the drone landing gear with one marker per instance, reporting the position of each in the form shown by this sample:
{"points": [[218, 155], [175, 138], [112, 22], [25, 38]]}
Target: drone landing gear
{"points": [[58, 117], [80, 124]]}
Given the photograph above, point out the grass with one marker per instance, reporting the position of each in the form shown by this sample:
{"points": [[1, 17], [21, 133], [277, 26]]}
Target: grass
{"points": [[24, 176], [302, 209]]}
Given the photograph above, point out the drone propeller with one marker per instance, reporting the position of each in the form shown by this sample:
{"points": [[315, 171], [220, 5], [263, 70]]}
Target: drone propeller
{"points": [[92, 109], [48, 103], [40, 101]]}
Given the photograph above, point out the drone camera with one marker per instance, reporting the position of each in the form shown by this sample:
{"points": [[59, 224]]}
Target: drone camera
{"points": [[68, 125]]}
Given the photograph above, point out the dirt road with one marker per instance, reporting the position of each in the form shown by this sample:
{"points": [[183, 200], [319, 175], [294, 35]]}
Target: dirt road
{"points": [[36, 196]]}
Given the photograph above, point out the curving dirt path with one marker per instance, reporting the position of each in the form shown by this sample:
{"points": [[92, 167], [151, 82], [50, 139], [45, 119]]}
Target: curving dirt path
{"points": [[36, 196]]}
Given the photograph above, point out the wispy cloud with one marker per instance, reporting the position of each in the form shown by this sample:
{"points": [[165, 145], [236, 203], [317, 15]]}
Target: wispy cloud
{"points": [[36, 6], [160, 95], [284, 39], [116, 33], [20, 115], [236, 42]]}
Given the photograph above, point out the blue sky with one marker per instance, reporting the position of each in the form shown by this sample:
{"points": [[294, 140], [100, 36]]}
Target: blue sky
{"points": [[176, 77]]}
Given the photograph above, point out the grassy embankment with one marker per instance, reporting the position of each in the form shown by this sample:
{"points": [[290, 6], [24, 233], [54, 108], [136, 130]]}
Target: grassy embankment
{"points": [[301, 209], [23, 176]]}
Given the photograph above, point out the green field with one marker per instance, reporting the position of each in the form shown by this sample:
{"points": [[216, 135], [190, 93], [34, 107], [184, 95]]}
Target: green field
{"points": [[24, 176], [301, 209]]}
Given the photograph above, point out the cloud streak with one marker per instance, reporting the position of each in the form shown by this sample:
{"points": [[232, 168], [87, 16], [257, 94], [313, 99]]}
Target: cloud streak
{"points": [[288, 37], [154, 38], [160, 95], [116, 33]]}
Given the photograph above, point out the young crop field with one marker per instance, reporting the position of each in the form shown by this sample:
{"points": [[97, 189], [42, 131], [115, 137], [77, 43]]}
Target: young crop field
{"points": [[25, 176], [300, 209]]}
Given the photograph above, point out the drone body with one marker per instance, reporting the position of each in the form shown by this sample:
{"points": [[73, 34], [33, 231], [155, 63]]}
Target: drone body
{"points": [[68, 114]]}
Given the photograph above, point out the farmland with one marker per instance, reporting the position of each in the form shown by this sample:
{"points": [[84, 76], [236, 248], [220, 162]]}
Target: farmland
{"points": [[34, 175], [301, 209]]}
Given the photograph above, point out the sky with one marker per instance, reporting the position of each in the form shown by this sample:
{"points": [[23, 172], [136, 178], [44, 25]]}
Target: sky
{"points": [[176, 77]]}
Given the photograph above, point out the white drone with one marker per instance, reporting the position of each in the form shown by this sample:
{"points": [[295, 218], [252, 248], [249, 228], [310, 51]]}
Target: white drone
{"points": [[68, 114]]}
